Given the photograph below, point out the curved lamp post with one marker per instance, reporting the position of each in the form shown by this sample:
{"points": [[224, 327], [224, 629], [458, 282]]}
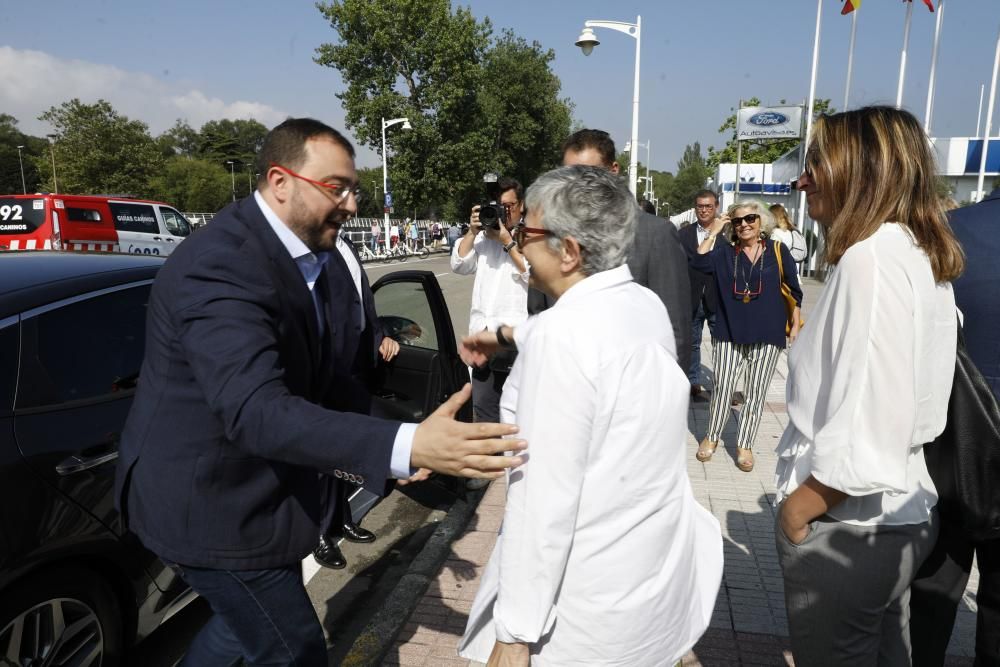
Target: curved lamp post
{"points": [[587, 41], [386, 124]]}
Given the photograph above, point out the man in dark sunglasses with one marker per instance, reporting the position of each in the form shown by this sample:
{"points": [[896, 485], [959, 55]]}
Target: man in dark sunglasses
{"points": [[657, 260]]}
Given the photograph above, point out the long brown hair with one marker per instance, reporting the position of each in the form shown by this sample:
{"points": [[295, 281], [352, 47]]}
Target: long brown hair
{"points": [[874, 165]]}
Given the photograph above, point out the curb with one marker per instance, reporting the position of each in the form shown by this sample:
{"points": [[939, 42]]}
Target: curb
{"points": [[373, 643]]}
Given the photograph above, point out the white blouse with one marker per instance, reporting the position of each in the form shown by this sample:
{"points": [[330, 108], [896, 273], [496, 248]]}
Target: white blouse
{"points": [[604, 557], [869, 381]]}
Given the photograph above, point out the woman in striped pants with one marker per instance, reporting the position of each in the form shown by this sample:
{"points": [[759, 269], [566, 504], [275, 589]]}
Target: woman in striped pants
{"points": [[750, 322]]}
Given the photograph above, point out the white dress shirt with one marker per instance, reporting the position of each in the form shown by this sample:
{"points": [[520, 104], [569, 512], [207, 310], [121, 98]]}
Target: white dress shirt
{"points": [[604, 557], [500, 293], [354, 268], [869, 381], [310, 265]]}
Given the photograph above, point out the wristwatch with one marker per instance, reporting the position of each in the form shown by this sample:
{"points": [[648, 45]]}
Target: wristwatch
{"points": [[508, 247]]}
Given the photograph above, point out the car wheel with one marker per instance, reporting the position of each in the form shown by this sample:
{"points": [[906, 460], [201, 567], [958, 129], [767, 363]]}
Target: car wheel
{"points": [[64, 617]]}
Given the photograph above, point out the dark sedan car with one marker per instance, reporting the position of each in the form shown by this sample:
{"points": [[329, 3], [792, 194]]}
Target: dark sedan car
{"points": [[75, 588]]}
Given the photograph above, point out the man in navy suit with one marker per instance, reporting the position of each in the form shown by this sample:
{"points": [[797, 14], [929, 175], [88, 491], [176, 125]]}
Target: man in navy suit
{"points": [[941, 581], [238, 406], [706, 205], [656, 259]]}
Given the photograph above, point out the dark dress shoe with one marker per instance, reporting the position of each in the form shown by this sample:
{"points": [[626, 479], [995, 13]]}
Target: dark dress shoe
{"points": [[328, 554], [355, 533]]}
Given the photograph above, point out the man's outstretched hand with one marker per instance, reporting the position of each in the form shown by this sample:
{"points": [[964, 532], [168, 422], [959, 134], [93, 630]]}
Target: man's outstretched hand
{"points": [[451, 447], [476, 350]]}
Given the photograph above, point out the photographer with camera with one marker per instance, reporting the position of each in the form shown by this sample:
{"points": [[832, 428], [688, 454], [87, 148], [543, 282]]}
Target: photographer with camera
{"points": [[500, 292]]}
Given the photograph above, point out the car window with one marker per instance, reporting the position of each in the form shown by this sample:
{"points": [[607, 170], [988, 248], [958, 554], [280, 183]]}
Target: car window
{"points": [[87, 349], [8, 365], [176, 223], [134, 218], [405, 314]]}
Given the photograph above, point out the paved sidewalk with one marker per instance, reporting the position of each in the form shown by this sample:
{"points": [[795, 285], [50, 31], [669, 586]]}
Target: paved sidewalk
{"points": [[749, 625]]}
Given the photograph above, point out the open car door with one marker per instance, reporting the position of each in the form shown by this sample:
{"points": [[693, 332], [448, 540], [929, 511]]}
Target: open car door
{"points": [[427, 370]]}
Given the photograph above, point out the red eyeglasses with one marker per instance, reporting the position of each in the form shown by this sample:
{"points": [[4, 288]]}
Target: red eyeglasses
{"points": [[521, 234], [338, 191]]}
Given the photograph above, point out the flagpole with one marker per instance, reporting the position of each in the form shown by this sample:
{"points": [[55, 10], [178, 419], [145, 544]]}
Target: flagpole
{"points": [[850, 56], [979, 118], [934, 56], [809, 123], [902, 55], [989, 123]]}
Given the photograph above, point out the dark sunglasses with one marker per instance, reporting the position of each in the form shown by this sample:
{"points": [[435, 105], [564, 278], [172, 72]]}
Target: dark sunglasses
{"points": [[521, 234], [748, 219]]}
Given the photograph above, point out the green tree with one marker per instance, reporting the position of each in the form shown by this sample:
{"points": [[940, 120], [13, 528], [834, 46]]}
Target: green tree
{"points": [[475, 104], [756, 151], [692, 173], [370, 180], [11, 162], [97, 150], [181, 139], [192, 184]]}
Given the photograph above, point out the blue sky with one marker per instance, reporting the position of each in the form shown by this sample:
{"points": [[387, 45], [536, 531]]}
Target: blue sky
{"points": [[211, 59]]}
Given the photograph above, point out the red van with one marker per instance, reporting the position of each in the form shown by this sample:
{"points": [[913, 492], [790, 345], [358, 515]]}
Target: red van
{"points": [[89, 223]]}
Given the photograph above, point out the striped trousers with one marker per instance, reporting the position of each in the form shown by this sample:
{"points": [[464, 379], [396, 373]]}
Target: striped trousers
{"points": [[730, 361]]}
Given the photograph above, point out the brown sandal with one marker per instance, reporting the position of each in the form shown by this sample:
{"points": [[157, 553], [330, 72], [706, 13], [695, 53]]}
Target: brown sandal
{"points": [[744, 459], [706, 449]]}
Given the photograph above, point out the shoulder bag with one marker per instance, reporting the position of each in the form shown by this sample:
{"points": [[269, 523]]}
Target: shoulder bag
{"points": [[964, 461], [786, 293]]}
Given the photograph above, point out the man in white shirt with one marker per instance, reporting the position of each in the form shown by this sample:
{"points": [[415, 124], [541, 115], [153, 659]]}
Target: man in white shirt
{"points": [[500, 293]]}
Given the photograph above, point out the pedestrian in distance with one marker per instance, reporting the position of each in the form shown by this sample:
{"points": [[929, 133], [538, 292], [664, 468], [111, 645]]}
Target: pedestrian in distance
{"points": [[869, 383], [236, 414], [585, 572], [752, 321], [703, 292]]}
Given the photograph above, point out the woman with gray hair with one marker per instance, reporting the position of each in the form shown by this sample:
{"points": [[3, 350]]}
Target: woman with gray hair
{"points": [[750, 323], [587, 572]]}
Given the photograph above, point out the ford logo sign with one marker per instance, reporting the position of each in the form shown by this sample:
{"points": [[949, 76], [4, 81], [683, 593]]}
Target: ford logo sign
{"points": [[767, 118]]}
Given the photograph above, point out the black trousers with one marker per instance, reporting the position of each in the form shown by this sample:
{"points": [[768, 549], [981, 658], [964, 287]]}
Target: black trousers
{"points": [[937, 590], [336, 507]]}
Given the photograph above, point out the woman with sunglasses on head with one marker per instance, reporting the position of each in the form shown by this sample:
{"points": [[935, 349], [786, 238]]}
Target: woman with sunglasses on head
{"points": [[750, 322], [869, 383]]}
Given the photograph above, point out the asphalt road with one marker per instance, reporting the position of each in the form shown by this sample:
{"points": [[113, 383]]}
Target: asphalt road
{"points": [[345, 600]]}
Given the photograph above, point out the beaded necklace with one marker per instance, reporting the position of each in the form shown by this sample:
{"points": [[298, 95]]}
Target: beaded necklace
{"points": [[746, 293]]}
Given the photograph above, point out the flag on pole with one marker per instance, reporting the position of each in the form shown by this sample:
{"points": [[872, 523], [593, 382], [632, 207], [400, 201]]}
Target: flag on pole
{"points": [[929, 3], [850, 6]]}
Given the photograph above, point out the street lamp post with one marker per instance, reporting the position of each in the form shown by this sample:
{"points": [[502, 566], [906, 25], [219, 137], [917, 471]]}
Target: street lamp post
{"points": [[648, 188], [587, 41], [24, 188], [52, 152], [232, 174], [250, 176], [385, 170]]}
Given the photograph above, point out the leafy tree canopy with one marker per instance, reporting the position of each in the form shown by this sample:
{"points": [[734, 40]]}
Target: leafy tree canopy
{"points": [[97, 150], [192, 184], [476, 103], [11, 162]]}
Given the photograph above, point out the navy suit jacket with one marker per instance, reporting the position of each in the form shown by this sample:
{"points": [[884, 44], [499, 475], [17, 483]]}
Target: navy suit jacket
{"points": [[702, 284], [978, 230], [230, 422]]}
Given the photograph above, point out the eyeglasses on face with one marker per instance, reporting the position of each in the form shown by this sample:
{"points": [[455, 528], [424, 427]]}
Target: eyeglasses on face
{"points": [[705, 207], [338, 190], [747, 219], [522, 233]]}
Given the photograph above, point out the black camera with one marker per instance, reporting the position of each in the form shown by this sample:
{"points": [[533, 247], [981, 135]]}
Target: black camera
{"points": [[491, 212]]}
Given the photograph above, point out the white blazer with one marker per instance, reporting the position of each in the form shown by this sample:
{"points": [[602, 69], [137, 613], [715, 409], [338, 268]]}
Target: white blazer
{"points": [[604, 557]]}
